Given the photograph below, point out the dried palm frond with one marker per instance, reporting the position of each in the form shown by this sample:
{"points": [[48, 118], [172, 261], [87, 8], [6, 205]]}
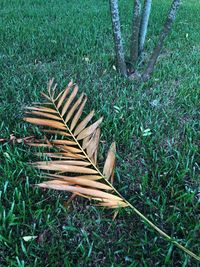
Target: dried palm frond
{"points": [[72, 153]]}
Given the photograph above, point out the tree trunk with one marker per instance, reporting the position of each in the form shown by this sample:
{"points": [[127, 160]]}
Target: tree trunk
{"points": [[167, 26], [134, 47], [117, 37], [144, 24]]}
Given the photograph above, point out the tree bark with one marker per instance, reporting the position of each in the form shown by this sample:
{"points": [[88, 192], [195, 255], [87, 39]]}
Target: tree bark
{"points": [[117, 37], [144, 24], [167, 26], [134, 47]]}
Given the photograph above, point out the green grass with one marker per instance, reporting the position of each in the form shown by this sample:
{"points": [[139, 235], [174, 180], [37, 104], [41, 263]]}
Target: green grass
{"points": [[156, 173]]}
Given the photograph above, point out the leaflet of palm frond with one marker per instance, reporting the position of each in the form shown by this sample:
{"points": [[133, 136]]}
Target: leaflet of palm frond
{"points": [[110, 162]]}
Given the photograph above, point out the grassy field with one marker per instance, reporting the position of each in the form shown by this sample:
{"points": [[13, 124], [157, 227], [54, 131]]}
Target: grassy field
{"points": [[156, 173]]}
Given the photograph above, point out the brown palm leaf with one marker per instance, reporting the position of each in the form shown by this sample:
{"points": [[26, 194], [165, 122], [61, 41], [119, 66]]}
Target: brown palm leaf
{"points": [[72, 153]]}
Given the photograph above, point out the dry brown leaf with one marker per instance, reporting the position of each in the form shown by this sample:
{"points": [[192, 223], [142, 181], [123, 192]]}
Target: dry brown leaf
{"points": [[94, 143], [89, 130], [73, 109], [63, 155], [46, 96], [110, 161], [63, 142], [86, 141], [66, 91], [78, 114], [63, 167], [73, 157], [43, 109], [42, 103], [45, 122], [50, 83], [83, 123], [71, 162], [81, 182], [69, 101], [82, 190], [94, 158], [88, 177], [44, 114], [53, 91], [70, 149], [59, 95]]}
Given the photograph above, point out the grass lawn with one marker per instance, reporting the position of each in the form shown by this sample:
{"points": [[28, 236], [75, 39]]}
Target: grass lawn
{"points": [[157, 173]]}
